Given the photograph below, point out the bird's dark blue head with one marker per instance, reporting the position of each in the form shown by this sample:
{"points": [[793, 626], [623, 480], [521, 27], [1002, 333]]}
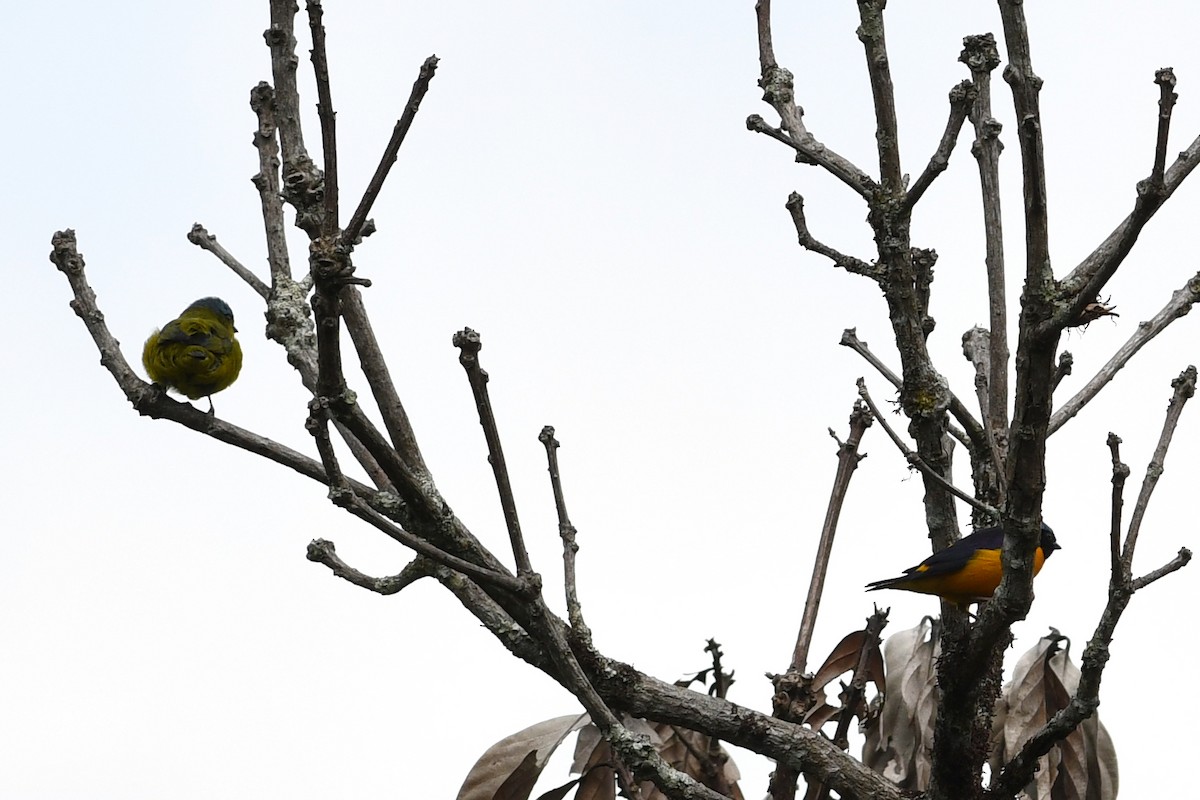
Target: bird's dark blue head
{"points": [[215, 305], [1048, 544]]}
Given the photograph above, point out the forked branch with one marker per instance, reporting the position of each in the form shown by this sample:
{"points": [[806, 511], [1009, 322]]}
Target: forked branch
{"points": [[1122, 586]]}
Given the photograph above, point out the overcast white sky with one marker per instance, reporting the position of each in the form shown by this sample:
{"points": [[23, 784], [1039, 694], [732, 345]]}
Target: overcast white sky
{"points": [[580, 187]]}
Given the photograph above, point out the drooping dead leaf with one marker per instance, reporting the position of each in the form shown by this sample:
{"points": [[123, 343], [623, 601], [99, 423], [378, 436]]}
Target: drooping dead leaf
{"points": [[899, 742], [1081, 767], [844, 658], [559, 792], [592, 754], [509, 769]]}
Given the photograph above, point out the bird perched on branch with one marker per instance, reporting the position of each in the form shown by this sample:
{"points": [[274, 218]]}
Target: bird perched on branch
{"points": [[197, 354], [967, 571]]}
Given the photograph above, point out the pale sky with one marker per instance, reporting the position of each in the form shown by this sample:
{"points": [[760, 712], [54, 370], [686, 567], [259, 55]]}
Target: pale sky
{"points": [[579, 187]]}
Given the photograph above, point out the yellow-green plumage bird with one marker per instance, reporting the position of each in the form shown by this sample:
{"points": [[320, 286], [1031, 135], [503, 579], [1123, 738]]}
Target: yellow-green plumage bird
{"points": [[197, 354]]}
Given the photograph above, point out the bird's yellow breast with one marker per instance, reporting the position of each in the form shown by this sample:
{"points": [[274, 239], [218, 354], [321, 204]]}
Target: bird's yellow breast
{"points": [[976, 579]]}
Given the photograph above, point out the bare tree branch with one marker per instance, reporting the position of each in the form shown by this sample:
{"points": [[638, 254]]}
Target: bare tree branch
{"points": [[289, 319], [379, 378], [795, 205], [777, 84], [1120, 474], [1086, 281], [914, 460], [323, 551], [267, 181], [848, 458], [808, 149], [469, 344], [793, 690], [1179, 305], [566, 532], [973, 435], [978, 350], [303, 183], [793, 745], [206, 241], [1180, 561], [327, 116], [1185, 387], [344, 496], [961, 98], [1020, 770], [355, 226], [981, 56], [887, 137], [1066, 362]]}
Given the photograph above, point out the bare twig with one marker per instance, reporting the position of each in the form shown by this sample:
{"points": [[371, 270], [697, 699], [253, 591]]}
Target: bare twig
{"points": [[1120, 474], [850, 339], [1026, 89], [978, 350], [322, 551], [778, 88], [206, 241], [379, 378], [1066, 362], [263, 101], [1179, 305], [808, 149], [795, 204], [848, 458], [420, 87], [981, 56], [1165, 79], [914, 460], [961, 98], [766, 50], [469, 344], [887, 139], [1185, 387], [971, 437], [1178, 562], [303, 183], [566, 532], [326, 114]]}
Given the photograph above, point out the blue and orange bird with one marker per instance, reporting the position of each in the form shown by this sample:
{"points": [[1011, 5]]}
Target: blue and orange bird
{"points": [[967, 571], [196, 354]]}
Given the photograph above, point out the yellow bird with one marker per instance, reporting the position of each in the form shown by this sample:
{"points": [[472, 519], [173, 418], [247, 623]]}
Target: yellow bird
{"points": [[197, 354], [967, 571]]}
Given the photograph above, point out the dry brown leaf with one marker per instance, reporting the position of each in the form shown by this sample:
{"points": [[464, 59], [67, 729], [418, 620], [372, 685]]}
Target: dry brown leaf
{"points": [[591, 751], [513, 764], [899, 742], [819, 714], [1081, 767], [844, 658], [560, 792]]}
